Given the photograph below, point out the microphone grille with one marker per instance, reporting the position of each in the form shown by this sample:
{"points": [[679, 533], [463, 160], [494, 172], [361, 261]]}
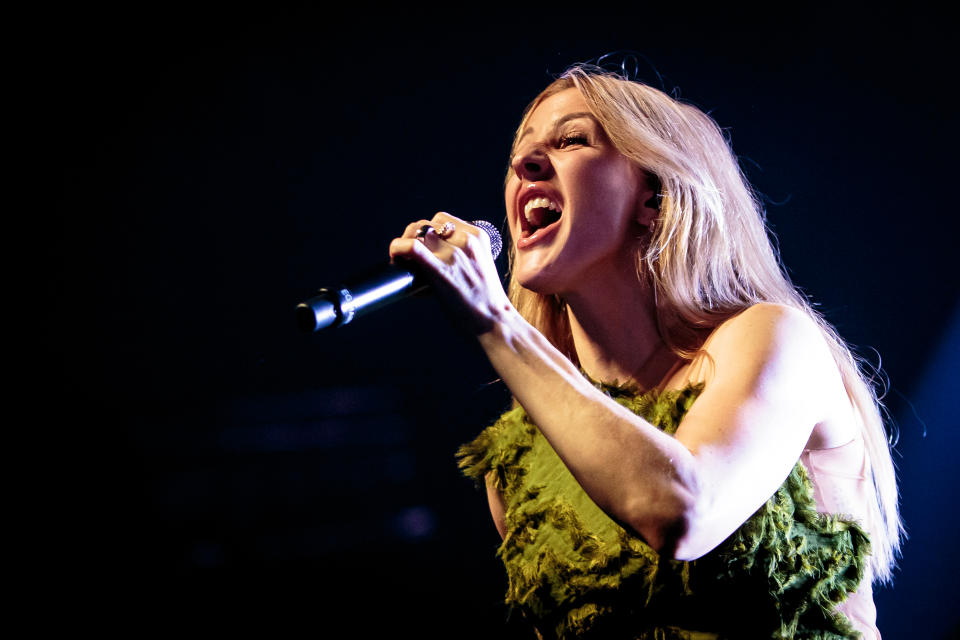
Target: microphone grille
{"points": [[496, 242]]}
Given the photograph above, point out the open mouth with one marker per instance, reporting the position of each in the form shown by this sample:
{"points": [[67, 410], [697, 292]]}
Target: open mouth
{"points": [[539, 213]]}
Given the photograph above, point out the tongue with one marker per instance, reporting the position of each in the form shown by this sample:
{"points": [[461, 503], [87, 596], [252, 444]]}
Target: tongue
{"points": [[541, 217]]}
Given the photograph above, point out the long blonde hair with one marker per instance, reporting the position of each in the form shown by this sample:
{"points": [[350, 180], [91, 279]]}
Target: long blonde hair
{"points": [[709, 257]]}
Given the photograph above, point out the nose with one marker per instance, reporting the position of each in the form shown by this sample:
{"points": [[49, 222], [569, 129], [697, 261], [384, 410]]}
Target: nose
{"points": [[532, 163]]}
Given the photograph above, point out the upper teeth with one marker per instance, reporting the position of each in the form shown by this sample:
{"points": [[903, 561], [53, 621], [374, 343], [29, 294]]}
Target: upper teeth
{"points": [[539, 203]]}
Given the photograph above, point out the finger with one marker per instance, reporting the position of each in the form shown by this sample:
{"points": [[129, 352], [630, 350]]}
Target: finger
{"points": [[445, 249], [417, 248], [472, 240], [435, 231], [476, 244], [442, 217], [417, 252], [402, 247], [427, 230], [450, 235], [414, 228]]}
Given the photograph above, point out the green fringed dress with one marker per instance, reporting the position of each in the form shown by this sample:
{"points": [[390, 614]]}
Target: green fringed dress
{"points": [[575, 573]]}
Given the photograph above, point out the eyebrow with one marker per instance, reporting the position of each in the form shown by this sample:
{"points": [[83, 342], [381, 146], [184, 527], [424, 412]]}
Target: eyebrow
{"points": [[561, 121]]}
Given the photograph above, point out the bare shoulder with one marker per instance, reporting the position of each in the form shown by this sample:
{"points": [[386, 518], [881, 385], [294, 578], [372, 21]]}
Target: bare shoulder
{"points": [[757, 337], [768, 324], [767, 335], [777, 347], [781, 351]]}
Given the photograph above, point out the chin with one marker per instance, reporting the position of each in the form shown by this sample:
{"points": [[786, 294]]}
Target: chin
{"points": [[538, 281]]}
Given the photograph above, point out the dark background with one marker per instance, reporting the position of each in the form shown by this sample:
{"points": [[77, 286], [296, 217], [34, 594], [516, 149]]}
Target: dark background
{"points": [[212, 167]]}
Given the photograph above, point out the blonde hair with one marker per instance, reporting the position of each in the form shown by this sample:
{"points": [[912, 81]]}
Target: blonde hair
{"points": [[709, 256]]}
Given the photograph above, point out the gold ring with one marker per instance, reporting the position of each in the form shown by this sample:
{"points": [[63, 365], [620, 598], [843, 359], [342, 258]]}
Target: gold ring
{"points": [[446, 230]]}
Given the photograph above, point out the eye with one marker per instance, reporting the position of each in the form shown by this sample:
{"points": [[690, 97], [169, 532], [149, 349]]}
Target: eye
{"points": [[569, 139]]}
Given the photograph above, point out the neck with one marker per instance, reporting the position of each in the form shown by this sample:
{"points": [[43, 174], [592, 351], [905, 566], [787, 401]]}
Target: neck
{"points": [[616, 334]]}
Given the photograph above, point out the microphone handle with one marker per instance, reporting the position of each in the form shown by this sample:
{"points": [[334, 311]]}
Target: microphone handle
{"points": [[337, 307]]}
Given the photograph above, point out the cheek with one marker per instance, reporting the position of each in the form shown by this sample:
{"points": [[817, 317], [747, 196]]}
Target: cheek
{"points": [[615, 190]]}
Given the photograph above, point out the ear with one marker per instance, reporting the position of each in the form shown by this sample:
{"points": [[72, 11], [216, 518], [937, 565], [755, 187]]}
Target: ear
{"points": [[648, 202]]}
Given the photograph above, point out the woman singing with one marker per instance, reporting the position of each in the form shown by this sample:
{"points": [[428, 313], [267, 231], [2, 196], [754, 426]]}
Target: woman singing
{"points": [[693, 453]]}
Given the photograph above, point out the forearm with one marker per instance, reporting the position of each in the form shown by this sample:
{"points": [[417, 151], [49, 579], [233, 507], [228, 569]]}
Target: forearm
{"points": [[632, 470]]}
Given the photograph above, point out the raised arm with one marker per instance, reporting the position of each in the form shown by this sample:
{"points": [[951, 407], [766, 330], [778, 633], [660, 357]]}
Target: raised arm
{"points": [[771, 381]]}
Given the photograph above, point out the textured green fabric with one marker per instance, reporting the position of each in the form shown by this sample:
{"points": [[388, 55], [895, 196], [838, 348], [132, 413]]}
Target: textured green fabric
{"points": [[575, 573]]}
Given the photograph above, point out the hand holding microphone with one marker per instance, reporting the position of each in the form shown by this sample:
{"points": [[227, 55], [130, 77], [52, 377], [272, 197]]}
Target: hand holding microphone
{"points": [[337, 306]]}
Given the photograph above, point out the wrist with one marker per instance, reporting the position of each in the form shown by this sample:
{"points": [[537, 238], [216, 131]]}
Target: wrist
{"points": [[506, 326]]}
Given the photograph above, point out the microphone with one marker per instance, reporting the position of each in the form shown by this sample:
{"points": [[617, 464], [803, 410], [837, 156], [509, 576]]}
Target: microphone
{"points": [[337, 306]]}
